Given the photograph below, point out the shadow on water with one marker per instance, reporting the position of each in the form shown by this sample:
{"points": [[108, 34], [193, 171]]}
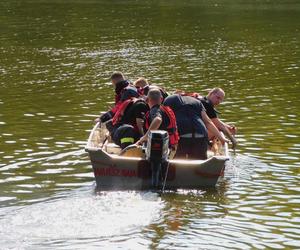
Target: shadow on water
{"points": [[235, 208], [179, 211]]}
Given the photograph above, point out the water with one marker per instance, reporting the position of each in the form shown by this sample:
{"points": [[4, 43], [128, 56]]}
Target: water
{"points": [[56, 58]]}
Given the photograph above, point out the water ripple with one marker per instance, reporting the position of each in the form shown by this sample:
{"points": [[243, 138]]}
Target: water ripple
{"points": [[89, 216]]}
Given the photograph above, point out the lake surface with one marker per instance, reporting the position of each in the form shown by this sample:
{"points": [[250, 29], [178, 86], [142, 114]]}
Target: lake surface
{"points": [[55, 61]]}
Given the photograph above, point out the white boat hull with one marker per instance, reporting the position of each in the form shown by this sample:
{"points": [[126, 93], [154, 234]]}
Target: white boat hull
{"points": [[114, 172]]}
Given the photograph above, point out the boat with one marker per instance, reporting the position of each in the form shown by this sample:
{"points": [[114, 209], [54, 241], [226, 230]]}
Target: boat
{"points": [[116, 169]]}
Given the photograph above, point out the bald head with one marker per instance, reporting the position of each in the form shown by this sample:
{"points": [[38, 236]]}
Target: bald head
{"points": [[216, 96]]}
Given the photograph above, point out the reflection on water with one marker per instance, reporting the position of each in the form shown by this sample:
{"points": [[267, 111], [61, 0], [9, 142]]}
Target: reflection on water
{"points": [[70, 217], [245, 204], [56, 57]]}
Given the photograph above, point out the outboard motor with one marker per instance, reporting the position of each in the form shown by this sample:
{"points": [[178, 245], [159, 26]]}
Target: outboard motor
{"points": [[157, 152]]}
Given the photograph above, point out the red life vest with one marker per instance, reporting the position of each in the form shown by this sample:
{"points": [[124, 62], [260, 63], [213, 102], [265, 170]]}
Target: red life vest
{"points": [[116, 107], [172, 127], [121, 109], [118, 98]]}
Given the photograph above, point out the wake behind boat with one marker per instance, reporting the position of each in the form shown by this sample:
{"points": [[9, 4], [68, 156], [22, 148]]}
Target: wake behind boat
{"points": [[132, 168]]}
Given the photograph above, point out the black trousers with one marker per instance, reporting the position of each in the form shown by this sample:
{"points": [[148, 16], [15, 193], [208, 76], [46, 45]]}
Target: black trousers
{"points": [[192, 148], [124, 135]]}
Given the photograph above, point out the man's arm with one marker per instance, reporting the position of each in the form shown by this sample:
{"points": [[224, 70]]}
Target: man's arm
{"points": [[155, 124], [225, 128], [211, 127], [140, 125]]}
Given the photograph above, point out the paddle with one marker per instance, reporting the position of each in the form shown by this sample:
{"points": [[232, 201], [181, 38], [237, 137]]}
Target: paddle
{"points": [[165, 179]]}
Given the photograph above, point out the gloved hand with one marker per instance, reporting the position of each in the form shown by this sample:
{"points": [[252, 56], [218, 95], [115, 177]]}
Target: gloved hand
{"points": [[234, 142], [106, 116], [232, 129]]}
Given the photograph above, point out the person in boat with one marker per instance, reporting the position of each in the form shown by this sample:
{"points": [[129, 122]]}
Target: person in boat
{"points": [[213, 99], [122, 86], [141, 83], [160, 117], [143, 88], [127, 124], [123, 91], [192, 123]]}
